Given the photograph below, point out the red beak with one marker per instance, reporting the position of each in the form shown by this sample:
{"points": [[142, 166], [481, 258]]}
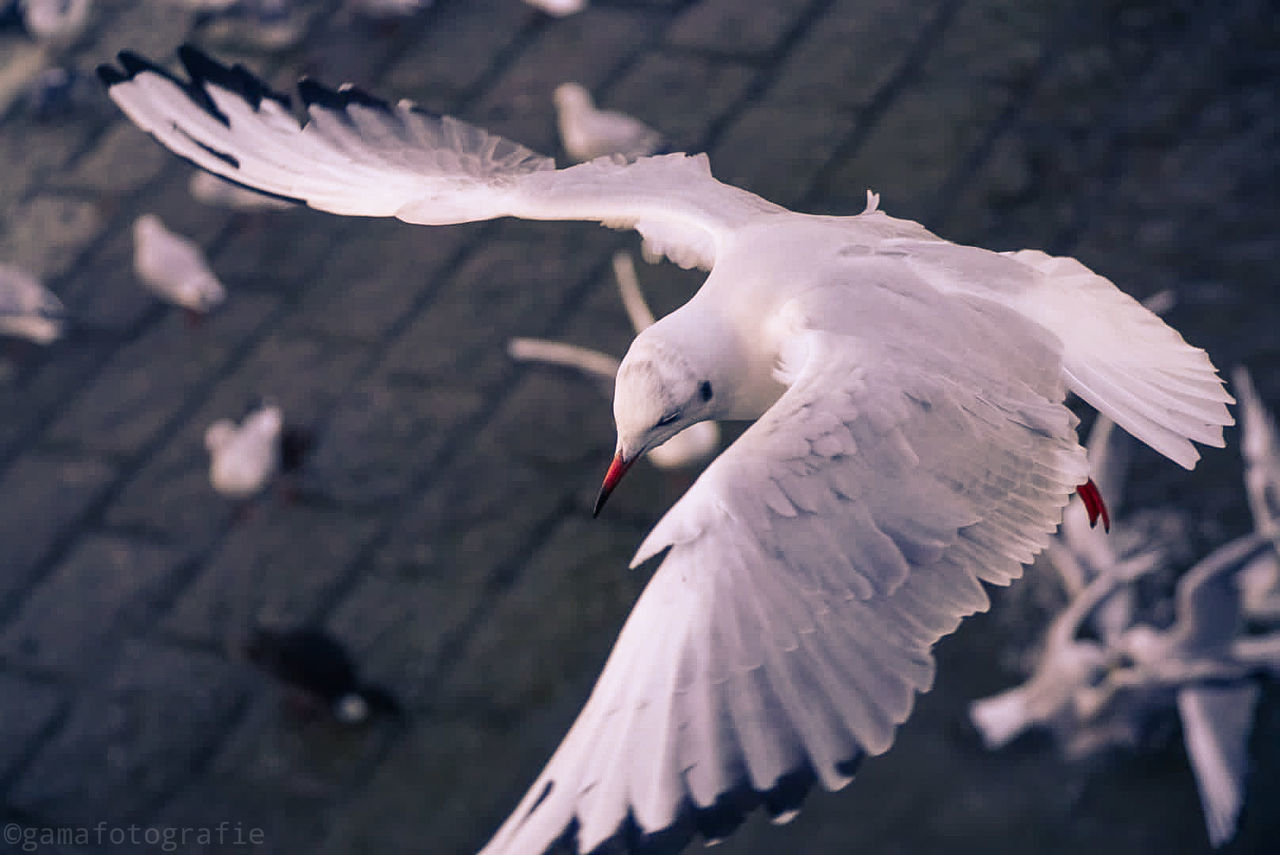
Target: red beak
{"points": [[617, 469]]}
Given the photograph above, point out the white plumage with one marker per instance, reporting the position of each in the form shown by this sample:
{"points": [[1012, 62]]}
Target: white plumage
{"points": [[691, 446], [55, 20], [244, 458], [587, 132], [174, 267], [28, 309], [910, 439]]}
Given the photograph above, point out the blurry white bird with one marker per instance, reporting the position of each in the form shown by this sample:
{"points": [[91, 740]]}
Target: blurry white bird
{"points": [[558, 8], [1207, 620], [244, 458], [910, 439], [1066, 663], [55, 20], [212, 190], [267, 25], [28, 309], [1260, 446], [687, 448], [587, 132], [174, 267]]}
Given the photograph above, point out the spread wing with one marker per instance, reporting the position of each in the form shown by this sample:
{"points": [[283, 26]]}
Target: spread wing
{"points": [[814, 564], [362, 156]]}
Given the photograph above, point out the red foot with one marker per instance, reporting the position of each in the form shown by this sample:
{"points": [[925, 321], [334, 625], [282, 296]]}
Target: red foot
{"points": [[1093, 504]]}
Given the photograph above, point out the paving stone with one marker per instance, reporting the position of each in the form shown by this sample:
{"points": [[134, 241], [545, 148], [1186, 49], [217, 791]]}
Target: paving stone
{"points": [[67, 623], [372, 279], [456, 50], [55, 491], [137, 394], [151, 29], [382, 434], [771, 152], [119, 163], [583, 48], [37, 379], [822, 73], [986, 53], [132, 740], [566, 608], [276, 567], [512, 284], [34, 151], [46, 234], [742, 29], [694, 93], [473, 518], [284, 822], [279, 252], [446, 786], [29, 709]]}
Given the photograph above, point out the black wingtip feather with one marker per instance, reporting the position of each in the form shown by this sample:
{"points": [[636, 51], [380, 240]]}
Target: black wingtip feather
{"points": [[338, 100], [203, 68], [110, 75]]}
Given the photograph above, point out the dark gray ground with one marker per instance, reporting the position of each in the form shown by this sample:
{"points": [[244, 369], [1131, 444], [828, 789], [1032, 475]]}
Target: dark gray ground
{"points": [[448, 539]]}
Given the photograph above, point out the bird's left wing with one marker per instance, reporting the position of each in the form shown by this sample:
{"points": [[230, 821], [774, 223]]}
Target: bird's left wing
{"points": [[922, 446], [361, 156]]}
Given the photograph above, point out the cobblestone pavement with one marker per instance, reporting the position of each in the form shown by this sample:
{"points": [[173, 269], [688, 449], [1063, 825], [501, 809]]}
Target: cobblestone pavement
{"points": [[445, 533]]}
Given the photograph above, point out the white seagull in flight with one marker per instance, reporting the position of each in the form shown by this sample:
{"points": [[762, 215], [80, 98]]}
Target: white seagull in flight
{"points": [[910, 438]]}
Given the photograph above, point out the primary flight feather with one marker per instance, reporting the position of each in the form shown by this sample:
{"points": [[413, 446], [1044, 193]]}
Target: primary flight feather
{"points": [[910, 439]]}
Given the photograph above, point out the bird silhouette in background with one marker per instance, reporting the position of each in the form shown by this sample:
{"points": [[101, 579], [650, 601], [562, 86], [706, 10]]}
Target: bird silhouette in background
{"points": [[319, 674]]}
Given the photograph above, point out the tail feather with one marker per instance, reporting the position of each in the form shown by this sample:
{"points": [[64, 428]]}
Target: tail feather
{"points": [[1128, 363]]}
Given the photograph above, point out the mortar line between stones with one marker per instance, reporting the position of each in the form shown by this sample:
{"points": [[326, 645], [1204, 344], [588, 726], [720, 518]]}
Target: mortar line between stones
{"points": [[868, 117]]}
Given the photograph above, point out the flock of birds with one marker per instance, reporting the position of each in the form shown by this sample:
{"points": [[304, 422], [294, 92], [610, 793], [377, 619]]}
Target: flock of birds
{"points": [[910, 441], [1104, 672]]}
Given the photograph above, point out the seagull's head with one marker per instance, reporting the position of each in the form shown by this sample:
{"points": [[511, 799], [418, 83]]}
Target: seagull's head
{"points": [[658, 393]]}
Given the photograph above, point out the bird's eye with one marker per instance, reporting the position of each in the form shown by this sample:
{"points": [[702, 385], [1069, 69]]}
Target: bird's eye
{"points": [[705, 390], [669, 418]]}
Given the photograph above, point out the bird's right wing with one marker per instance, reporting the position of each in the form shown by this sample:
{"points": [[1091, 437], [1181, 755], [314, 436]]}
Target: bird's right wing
{"points": [[361, 156], [922, 447]]}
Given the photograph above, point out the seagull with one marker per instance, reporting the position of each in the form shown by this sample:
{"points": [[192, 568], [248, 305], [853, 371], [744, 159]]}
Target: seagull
{"points": [[55, 20], [1214, 693], [244, 458], [909, 441], [174, 267], [28, 309], [319, 673], [587, 132], [688, 448]]}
